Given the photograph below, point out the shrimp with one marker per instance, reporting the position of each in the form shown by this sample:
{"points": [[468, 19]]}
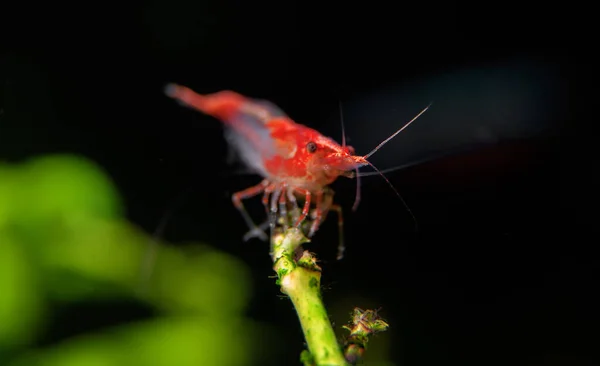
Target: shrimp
{"points": [[293, 159]]}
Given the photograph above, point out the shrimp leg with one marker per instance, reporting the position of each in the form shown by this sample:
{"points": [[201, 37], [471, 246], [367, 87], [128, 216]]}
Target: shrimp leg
{"points": [[274, 200], [318, 214], [272, 214], [306, 207], [295, 212], [283, 207], [237, 202], [324, 201], [341, 247]]}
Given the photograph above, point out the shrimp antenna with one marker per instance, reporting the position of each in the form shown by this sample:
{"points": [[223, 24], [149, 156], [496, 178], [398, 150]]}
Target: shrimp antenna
{"points": [[357, 195], [431, 157], [388, 170], [397, 194], [397, 132], [342, 123]]}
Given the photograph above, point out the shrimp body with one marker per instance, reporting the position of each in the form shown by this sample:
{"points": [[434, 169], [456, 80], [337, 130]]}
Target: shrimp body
{"points": [[292, 159], [278, 148]]}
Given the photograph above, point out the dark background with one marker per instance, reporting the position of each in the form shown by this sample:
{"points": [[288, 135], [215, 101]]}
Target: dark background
{"points": [[501, 270]]}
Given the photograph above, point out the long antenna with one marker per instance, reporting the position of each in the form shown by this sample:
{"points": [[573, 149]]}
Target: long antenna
{"points": [[414, 218], [342, 123], [357, 194], [397, 132]]}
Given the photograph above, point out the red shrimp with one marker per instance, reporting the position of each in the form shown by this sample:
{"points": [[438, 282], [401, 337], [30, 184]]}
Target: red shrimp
{"points": [[293, 159]]}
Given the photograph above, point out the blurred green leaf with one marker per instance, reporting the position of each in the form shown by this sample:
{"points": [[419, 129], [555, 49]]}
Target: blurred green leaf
{"points": [[100, 251], [201, 280], [20, 303], [180, 341], [65, 186], [7, 192], [62, 237]]}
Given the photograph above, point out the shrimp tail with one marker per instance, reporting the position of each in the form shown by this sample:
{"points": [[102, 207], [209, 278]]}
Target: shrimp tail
{"points": [[222, 105]]}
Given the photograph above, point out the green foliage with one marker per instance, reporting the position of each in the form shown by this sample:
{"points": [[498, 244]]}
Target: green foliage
{"points": [[63, 239]]}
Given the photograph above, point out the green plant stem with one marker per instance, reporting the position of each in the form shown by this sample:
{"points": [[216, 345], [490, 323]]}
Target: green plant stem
{"points": [[301, 280]]}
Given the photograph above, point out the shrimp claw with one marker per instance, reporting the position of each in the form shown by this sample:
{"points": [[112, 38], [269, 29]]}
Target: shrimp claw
{"points": [[237, 198]]}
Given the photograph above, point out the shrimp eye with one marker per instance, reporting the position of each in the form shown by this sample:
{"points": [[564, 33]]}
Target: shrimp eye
{"points": [[311, 147]]}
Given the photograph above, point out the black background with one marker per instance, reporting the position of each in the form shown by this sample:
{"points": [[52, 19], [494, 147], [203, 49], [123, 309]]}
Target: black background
{"points": [[502, 269]]}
